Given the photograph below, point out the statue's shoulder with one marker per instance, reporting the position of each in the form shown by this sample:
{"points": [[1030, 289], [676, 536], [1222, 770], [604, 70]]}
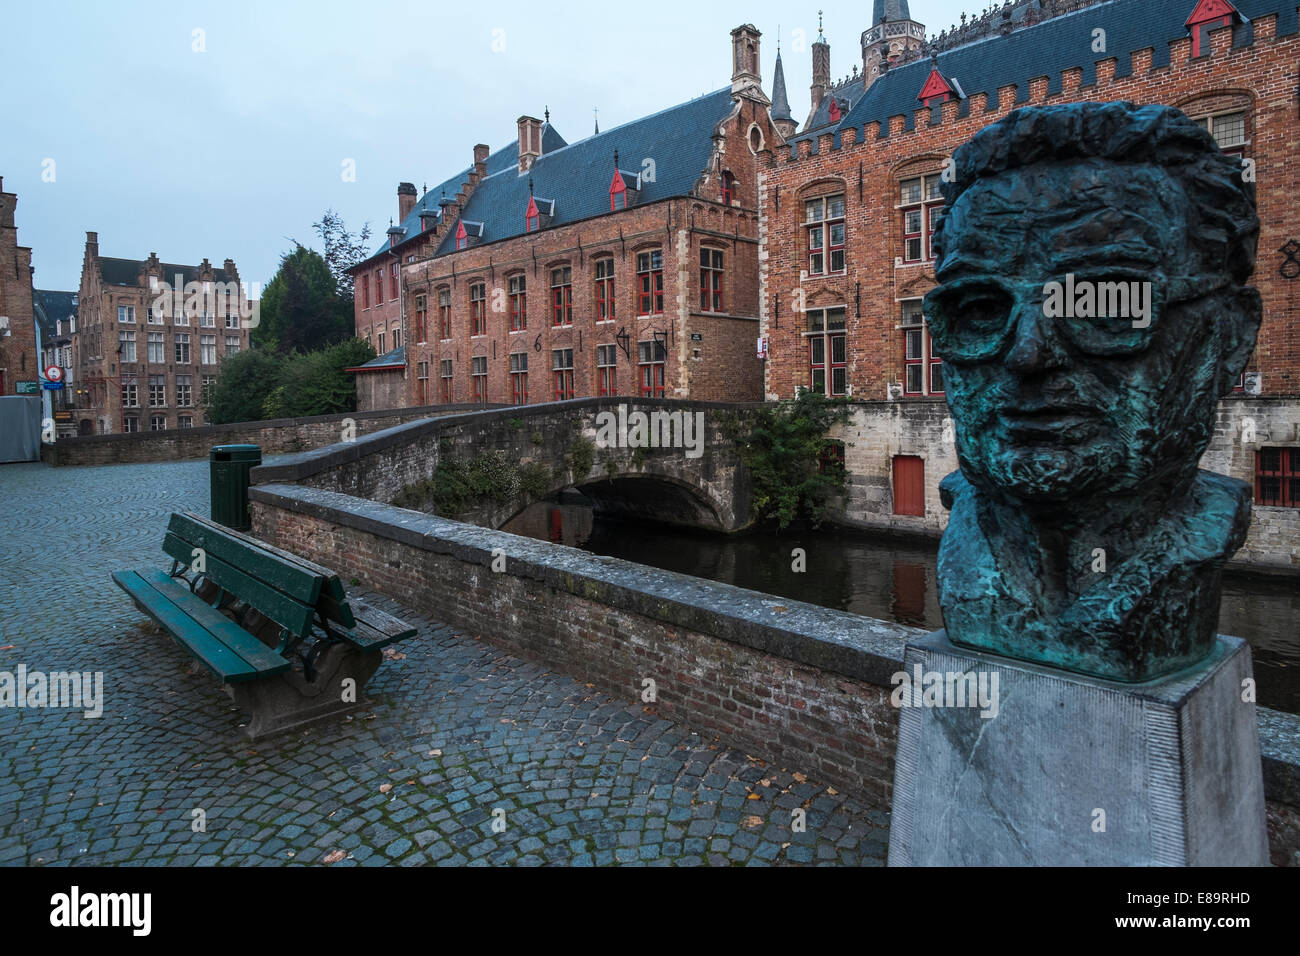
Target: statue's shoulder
{"points": [[1223, 504], [954, 488]]}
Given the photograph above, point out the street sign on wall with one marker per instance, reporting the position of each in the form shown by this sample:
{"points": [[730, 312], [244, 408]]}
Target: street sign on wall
{"points": [[28, 388]]}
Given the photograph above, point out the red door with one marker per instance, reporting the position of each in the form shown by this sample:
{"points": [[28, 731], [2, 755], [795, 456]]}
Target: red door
{"points": [[909, 485]]}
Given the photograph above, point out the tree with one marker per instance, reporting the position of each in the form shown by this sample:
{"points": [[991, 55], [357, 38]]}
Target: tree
{"points": [[343, 249], [246, 379], [301, 308], [782, 445], [315, 383]]}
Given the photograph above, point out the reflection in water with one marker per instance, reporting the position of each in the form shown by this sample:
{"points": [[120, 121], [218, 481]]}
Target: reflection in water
{"points": [[884, 578]]}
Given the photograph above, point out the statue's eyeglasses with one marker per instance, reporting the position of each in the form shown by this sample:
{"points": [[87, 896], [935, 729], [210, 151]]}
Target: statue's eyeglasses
{"points": [[1117, 312]]}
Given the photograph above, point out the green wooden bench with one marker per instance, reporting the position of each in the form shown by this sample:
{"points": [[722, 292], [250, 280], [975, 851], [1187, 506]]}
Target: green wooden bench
{"points": [[276, 629]]}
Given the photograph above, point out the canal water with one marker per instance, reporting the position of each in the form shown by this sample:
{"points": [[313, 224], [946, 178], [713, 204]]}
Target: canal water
{"points": [[885, 578]]}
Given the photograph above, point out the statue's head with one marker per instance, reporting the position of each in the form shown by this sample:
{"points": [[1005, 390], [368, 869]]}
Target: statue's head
{"points": [[1092, 306]]}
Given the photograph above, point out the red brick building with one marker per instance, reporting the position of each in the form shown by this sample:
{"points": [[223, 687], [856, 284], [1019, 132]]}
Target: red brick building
{"points": [[18, 359], [849, 205], [624, 263], [147, 365]]}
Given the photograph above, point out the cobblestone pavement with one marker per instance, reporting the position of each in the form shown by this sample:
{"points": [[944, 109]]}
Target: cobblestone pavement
{"points": [[459, 730]]}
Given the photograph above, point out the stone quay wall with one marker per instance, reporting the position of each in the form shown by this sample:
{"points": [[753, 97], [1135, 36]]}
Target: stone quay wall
{"points": [[276, 436], [786, 681]]}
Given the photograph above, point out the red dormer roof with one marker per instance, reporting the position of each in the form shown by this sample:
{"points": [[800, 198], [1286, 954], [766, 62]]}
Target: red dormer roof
{"points": [[462, 237], [935, 85], [531, 215], [835, 110], [1207, 11]]}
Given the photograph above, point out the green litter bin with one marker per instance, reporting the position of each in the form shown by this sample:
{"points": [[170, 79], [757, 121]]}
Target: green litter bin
{"points": [[230, 465]]}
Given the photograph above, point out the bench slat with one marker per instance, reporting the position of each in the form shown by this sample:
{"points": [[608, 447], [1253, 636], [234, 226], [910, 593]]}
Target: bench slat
{"points": [[220, 644], [249, 556], [332, 602], [375, 627], [279, 607]]}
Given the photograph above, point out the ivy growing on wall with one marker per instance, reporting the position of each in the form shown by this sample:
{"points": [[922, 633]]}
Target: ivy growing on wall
{"points": [[782, 445]]}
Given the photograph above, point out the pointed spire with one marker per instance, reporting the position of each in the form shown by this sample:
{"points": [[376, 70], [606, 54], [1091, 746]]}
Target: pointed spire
{"points": [[595, 112], [820, 38], [780, 101], [547, 113]]}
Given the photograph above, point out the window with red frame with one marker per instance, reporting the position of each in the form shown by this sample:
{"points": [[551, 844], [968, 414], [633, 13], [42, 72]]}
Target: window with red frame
{"points": [[422, 382], [562, 296], [478, 376], [518, 303], [562, 365], [478, 308], [421, 320], [1277, 477], [447, 391], [824, 229], [922, 369], [604, 290], [826, 340], [519, 378], [921, 205], [379, 287], [650, 282], [444, 312], [831, 459], [606, 369], [728, 188], [392, 281], [652, 357], [365, 291], [711, 280]]}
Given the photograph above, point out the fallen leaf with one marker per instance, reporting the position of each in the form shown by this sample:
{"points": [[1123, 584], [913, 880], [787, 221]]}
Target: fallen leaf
{"points": [[333, 856], [393, 654], [800, 778], [832, 791], [434, 753], [385, 787], [765, 782], [753, 796], [753, 821]]}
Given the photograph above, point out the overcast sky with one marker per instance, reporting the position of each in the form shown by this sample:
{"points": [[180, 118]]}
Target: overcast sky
{"points": [[120, 125]]}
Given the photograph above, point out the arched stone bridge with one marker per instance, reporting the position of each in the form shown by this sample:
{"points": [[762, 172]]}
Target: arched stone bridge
{"points": [[665, 459]]}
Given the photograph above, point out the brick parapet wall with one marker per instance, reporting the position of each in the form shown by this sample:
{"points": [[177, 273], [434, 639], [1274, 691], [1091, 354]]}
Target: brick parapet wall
{"points": [[274, 436], [788, 681]]}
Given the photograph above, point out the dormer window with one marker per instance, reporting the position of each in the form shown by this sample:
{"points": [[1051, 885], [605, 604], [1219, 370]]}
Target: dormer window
{"points": [[936, 89], [1209, 15], [617, 192], [835, 110], [532, 218], [462, 237]]}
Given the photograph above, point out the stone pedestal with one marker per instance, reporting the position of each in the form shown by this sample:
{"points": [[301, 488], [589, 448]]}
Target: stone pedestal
{"points": [[1072, 770]]}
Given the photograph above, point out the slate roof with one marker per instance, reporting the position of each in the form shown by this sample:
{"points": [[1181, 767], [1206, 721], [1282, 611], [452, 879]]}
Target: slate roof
{"points": [[849, 91], [577, 176], [49, 307], [127, 271], [1047, 49], [394, 358], [503, 159]]}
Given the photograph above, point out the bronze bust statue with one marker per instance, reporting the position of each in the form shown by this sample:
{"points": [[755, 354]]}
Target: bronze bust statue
{"points": [[1092, 309]]}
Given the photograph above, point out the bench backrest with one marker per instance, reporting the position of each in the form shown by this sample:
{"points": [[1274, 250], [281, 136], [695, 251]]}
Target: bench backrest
{"points": [[288, 589]]}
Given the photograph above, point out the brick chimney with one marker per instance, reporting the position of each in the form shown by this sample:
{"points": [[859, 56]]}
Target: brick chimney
{"points": [[92, 245], [405, 200], [480, 159], [530, 141], [821, 71]]}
